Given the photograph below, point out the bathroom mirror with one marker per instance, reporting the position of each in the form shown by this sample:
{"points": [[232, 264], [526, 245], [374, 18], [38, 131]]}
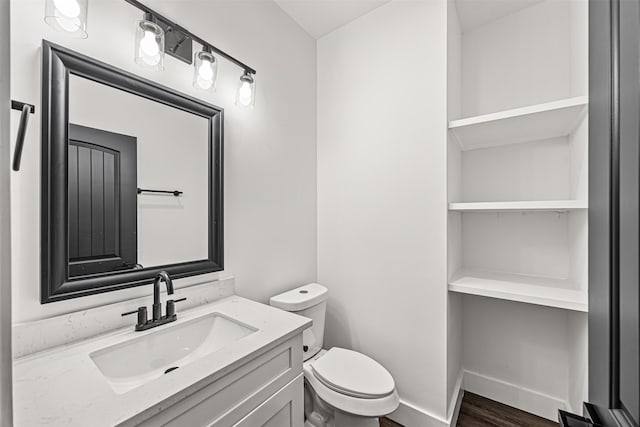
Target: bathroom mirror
{"points": [[131, 179]]}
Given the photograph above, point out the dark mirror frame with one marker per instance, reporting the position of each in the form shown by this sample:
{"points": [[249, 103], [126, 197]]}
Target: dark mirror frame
{"points": [[56, 285]]}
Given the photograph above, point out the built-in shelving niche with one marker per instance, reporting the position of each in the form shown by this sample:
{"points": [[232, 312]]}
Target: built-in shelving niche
{"points": [[518, 199]]}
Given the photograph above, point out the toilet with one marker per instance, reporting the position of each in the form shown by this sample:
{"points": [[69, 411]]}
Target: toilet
{"points": [[342, 388]]}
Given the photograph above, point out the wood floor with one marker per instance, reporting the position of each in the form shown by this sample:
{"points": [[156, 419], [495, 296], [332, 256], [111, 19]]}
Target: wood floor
{"points": [[386, 422], [477, 411]]}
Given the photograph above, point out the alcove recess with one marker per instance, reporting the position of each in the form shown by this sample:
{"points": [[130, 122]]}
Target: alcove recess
{"points": [[518, 198]]}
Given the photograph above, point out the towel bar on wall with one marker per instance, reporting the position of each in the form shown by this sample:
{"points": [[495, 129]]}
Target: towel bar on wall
{"points": [[174, 192], [22, 130]]}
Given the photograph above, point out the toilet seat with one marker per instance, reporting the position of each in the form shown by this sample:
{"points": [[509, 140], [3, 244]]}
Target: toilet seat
{"points": [[352, 382], [354, 374]]}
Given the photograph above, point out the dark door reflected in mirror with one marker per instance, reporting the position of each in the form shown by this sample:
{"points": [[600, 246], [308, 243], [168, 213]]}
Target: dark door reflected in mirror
{"points": [[102, 182]]}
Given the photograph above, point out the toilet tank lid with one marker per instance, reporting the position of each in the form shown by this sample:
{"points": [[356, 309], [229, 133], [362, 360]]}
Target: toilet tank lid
{"points": [[300, 298]]}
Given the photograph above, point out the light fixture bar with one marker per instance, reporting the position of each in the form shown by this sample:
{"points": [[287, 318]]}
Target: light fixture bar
{"points": [[194, 37]]}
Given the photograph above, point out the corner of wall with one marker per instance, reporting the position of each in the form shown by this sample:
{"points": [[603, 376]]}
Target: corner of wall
{"points": [[6, 417]]}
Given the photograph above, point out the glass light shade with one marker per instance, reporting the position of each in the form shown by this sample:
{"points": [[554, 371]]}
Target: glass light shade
{"points": [[69, 16], [246, 94], [149, 47], [205, 71]]}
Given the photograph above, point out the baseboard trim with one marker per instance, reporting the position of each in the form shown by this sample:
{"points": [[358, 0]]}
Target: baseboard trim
{"points": [[456, 400], [411, 415], [543, 405], [514, 395]]}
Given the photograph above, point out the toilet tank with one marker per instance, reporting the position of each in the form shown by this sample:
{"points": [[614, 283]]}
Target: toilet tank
{"points": [[308, 301]]}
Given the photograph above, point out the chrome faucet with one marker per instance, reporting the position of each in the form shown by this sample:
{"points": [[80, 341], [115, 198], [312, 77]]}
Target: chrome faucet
{"points": [[157, 318]]}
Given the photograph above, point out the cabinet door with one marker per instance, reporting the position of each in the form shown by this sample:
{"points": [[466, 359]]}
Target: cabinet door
{"points": [[283, 409]]}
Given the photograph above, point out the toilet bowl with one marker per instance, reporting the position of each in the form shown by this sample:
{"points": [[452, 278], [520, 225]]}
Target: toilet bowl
{"points": [[343, 388]]}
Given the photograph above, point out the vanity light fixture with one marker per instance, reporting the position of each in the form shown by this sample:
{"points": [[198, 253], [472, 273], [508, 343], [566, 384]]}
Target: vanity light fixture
{"points": [[69, 16], [205, 70], [246, 94], [149, 47], [177, 42]]}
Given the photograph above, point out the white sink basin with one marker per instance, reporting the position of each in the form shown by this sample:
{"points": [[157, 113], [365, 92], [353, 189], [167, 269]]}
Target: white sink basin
{"points": [[137, 361]]}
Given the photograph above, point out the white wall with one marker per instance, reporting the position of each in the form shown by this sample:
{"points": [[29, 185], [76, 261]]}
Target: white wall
{"points": [[521, 354], [270, 151], [382, 193], [579, 13], [454, 219], [579, 361], [533, 243], [537, 170], [5, 223], [533, 65]]}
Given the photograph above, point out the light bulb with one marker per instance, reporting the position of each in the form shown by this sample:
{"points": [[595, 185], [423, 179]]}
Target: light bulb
{"points": [[69, 16], [205, 75], [205, 72], [68, 8], [204, 84], [149, 45], [68, 24], [151, 60], [244, 94]]}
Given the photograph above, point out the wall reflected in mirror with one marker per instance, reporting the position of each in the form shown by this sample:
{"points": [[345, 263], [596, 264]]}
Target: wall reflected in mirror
{"points": [[120, 142]]}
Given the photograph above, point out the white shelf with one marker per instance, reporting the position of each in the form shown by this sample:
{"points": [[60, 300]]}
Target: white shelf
{"points": [[515, 287], [536, 122], [521, 206]]}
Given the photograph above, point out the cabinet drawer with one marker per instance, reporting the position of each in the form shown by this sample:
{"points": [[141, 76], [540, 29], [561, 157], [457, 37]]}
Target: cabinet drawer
{"points": [[227, 400], [283, 409]]}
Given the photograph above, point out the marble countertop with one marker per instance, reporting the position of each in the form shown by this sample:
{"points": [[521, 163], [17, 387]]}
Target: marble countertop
{"points": [[63, 387]]}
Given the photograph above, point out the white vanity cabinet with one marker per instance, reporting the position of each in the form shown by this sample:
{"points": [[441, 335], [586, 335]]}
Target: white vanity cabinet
{"points": [[265, 391], [226, 379]]}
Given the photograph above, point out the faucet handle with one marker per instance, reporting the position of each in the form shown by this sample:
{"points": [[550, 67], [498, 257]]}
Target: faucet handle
{"points": [[171, 307], [142, 315]]}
